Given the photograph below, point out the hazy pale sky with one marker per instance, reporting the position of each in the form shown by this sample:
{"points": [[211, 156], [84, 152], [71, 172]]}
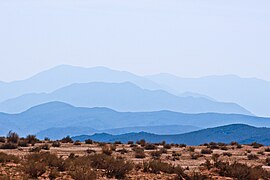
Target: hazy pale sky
{"points": [[184, 37]]}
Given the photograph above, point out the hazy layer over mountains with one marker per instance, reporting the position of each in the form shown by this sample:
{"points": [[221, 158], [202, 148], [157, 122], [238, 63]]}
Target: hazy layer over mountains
{"points": [[181, 93]]}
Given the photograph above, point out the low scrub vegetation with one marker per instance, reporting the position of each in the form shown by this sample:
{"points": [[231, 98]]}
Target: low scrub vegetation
{"points": [[31, 158]]}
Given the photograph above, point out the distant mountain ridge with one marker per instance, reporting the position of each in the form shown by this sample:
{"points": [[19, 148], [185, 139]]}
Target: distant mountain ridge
{"points": [[125, 97], [64, 75], [236, 132], [58, 114], [251, 93], [58, 133]]}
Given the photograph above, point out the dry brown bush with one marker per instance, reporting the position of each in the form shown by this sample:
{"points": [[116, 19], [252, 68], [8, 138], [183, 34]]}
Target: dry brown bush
{"points": [[5, 158]]}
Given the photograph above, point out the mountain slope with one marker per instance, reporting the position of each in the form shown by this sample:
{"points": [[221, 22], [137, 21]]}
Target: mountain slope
{"points": [[57, 114], [251, 93], [236, 132], [64, 75], [121, 97]]}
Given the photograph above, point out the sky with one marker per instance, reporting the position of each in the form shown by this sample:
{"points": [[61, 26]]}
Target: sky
{"points": [[188, 38]]}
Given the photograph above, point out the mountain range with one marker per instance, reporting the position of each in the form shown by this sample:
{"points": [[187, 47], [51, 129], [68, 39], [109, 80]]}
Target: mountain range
{"points": [[61, 115], [126, 97], [58, 133], [241, 133], [250, 93]]}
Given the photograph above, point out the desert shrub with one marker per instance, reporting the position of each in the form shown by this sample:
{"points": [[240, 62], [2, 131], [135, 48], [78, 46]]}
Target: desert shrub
{"points": [[156, 154], [221, 144], [206, 151], [47, 139], [77, 143], [35, 149], [34, 169], [156, 166], [113, 147], [175, 154], [8, 145], [130, 142], [241, 171], [256, 145], [31, 139], [88, 141], [45, 147], [4, 158], [118, 168], [198, 176], [260, 153], [101, 144], [142, 142], [71, 156], [12, 137], [248, 151], [267, 149], [195, 155], [50, 160], [163, 151], [224, 148], [191, 149], [23, 143], [149, 146], [56, 144], [2, 139], [182, 145], [122, 151], [239, 146], [139, 153], [107, 150], [227, 154], [208, 164], [114, 167], [67, 140], [90, 151], [167, 146], [267, 161], [54, 173], [213, 146], [215, 157], [117, 142], [252, 157], [82, 173], [233, 143]]}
